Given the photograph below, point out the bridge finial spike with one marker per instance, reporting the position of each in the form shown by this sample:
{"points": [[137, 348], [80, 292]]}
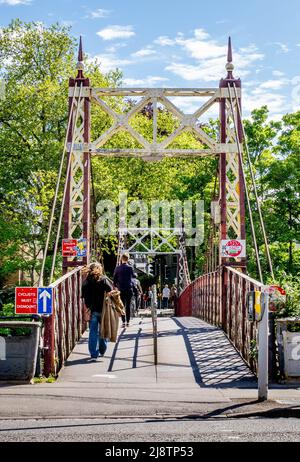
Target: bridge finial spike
{"points": [[80, 66], [229, 65]]}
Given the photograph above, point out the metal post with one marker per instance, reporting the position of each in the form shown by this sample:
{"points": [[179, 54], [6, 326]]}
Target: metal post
{"points": [[154, 321], [263, 349]]}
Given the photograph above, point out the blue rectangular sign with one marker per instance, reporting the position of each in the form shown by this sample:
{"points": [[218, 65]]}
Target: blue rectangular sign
{"points": [[44, 300], [81, 247]]}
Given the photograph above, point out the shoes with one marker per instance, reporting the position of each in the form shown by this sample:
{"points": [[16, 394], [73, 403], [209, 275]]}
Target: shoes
{"points": [[123, 325], [127, 325], [93, 359]]}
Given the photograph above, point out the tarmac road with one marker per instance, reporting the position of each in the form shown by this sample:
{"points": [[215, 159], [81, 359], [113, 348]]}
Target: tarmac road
{"points": [[151, 430]]}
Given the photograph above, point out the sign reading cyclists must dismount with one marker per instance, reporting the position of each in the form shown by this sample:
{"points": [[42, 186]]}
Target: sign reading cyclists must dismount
{"points": [[74, 247], [26, 300], [233, 248], [33, 300]]}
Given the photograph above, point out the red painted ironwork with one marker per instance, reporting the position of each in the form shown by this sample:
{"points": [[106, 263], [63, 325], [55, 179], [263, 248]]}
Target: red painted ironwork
{"points": [[225, 308], [84, 201], [225, 186], [66, 325]]}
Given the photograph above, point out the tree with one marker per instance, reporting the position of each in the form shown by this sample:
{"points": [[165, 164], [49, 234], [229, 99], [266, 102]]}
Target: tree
{"points": [[35, 65]]}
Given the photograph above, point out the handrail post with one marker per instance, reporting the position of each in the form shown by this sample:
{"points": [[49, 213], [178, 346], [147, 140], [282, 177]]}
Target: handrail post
{"points": [[154, 321]]}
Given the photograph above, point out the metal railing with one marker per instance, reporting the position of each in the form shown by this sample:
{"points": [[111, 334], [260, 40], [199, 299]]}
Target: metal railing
{"points": [[66, 325], [219, 298]]}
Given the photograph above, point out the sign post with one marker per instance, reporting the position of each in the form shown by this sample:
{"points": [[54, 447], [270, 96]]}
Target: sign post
{"points": [[263, 347]]}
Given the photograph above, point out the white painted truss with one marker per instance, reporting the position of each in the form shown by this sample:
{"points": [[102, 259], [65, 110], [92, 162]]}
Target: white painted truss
{"points": [[159, 96]]}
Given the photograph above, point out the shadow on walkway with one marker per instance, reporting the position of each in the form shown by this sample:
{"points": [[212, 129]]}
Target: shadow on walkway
{"points": [[215, 362]]}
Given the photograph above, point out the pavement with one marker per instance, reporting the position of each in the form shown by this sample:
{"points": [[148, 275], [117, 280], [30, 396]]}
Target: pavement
{"points": [[199, 376]]}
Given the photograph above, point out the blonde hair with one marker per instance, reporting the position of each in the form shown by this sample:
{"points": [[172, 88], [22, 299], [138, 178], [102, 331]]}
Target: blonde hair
{"points": [[125, 257], [94, 271]]}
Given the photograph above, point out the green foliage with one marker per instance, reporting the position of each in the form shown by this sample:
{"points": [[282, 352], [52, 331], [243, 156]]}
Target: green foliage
{"points": [[290, 283], [253, 353], [36, 63], [50, 379], [8, 309]]}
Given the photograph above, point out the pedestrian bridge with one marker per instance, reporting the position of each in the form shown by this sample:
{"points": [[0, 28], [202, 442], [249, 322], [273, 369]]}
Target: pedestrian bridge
{"points": [[197, 366], [211, 339], [190, 352], [211, 325]]}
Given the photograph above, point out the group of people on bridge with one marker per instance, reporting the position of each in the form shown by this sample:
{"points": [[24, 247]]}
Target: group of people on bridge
{"points": [[97, 286]]}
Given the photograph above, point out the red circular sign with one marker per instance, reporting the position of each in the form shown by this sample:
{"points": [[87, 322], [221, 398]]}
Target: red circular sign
{"points": [[233, 248]]}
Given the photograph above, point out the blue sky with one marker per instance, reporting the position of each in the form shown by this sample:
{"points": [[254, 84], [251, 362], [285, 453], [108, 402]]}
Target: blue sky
{"points": [[182, 43]]}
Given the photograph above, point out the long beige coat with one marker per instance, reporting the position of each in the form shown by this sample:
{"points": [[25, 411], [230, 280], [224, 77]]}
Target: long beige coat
{"points": [[112, 310]]}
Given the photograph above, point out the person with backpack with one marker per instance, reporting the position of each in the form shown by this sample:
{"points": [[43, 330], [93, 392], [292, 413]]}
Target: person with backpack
{"points": [[137, 292], [94, 288], [123, 280]]}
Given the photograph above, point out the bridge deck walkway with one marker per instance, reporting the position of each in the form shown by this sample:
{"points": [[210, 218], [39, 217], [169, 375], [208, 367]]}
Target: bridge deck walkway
{"points": [[198, 371]]}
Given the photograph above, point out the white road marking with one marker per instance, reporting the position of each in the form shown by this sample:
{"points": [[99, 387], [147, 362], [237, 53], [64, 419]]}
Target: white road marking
{"points": [[108, 376]]}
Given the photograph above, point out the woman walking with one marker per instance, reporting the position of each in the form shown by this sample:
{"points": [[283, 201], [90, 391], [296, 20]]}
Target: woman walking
{"points": [[93, 291]]}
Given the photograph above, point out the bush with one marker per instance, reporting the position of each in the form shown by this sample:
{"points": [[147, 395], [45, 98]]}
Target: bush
{"points": [[291, 284], [8, 310]]}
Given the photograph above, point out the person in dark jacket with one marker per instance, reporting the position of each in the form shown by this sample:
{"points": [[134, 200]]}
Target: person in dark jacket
{"points": [[94, 288], [123, 280]]}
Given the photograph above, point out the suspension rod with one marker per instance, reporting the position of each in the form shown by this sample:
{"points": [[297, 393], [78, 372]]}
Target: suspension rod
{"points": [[246, 190], [65, 189], [41, 276], [262, 225]]}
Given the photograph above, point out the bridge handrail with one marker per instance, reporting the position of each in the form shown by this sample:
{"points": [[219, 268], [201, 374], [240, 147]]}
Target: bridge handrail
{"points": [[66, 325], [65, 276], [245, 276], [219, 298]]}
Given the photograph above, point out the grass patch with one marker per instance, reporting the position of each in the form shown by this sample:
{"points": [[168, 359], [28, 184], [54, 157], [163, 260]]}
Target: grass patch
{"points": [[50, 379]]}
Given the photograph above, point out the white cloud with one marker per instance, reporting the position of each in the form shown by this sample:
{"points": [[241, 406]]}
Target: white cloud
{"points": [[251, 83], [164, 41], [210, 57], [277, 103], [109, 61], [148, 81], [212, 69], [274, 84], [116, 32], [143, 53], [16, 2], [282, 47], [278, 73], [99, 13], [116, 46]]}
